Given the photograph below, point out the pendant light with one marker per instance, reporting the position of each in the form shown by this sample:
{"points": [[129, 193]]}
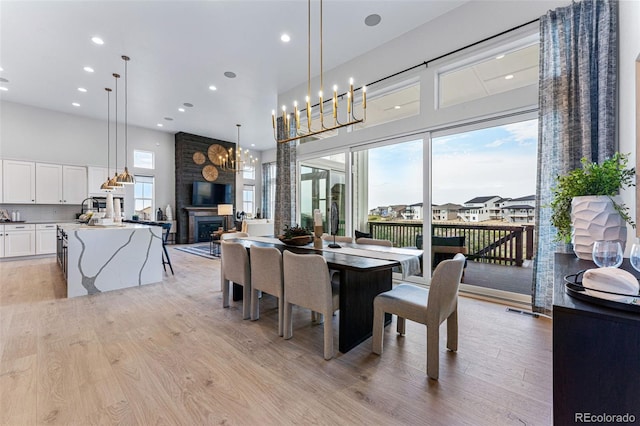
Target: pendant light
{"points": [[105, 185], [125, 177], [114, 180]]}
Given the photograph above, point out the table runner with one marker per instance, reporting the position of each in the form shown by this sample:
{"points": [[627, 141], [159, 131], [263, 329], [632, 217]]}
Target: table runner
{"points": [[409, 262]]}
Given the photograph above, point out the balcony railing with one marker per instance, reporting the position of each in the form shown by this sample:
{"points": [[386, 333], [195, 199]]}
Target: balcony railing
{"points": [[499, 244]]}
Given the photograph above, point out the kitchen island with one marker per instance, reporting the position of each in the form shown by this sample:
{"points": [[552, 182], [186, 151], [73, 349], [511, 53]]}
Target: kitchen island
{"points": [[98, 258]]}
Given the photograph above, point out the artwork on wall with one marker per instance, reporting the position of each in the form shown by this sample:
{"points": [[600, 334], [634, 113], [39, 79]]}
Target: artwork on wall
{"points": [[210, 173], [199, 158], [216, 154]]}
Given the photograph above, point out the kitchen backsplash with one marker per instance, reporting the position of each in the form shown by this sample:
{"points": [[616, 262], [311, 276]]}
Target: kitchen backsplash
{"points": [[43, 212]]}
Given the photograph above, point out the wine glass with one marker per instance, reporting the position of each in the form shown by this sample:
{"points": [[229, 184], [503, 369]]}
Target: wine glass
{"points": [[634, 256], [607, 254]]}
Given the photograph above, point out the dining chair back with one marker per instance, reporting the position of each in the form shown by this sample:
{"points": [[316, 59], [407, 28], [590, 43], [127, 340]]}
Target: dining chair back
{"points": [[338, 238], [374, 242], [232, 235], [307, 284], [266, 276], [429, 307], [235, 268]]}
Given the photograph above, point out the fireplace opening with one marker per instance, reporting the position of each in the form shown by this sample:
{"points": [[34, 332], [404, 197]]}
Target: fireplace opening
{"points": [[205, 228]]}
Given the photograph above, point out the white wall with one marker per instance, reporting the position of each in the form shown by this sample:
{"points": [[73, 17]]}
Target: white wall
{"points": [[36, 134], [629, 51]]}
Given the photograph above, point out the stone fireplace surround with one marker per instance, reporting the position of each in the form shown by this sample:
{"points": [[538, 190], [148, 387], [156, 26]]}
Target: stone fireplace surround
{"points": [[188, 171], [198, 216]]}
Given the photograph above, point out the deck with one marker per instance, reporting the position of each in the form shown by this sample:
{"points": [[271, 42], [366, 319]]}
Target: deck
{"points": [[516, 279]]}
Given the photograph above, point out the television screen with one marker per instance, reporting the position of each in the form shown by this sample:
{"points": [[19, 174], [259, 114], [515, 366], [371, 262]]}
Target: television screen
{"points": [[208, 194]]}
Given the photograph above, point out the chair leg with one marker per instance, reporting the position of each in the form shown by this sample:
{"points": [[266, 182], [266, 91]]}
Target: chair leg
{"points": [[255, 305], [280, 316], [328, 339], [246, 301], [225, 292], [433, 351], [288, 320], [402, 325], [378, 328], [452, 331], [168, 262]]}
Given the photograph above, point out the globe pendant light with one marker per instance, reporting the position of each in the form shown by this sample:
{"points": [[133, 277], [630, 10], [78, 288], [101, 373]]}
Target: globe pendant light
{"points": [[105, 185], [125, 177]]}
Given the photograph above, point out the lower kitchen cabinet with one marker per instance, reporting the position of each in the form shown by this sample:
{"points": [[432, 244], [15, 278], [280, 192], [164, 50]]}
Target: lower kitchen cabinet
{"points": [[46, 238], [20, 240]]}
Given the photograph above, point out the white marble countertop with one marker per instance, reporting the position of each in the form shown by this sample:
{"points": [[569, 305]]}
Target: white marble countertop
{"points": [[84, 227]]}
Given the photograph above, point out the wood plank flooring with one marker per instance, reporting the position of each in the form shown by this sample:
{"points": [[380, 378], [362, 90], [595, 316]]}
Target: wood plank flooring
{"points": [[168, 353]]}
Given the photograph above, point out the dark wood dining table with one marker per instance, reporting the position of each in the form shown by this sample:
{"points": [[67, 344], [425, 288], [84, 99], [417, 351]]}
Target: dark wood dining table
{"points": [[361, 280]]}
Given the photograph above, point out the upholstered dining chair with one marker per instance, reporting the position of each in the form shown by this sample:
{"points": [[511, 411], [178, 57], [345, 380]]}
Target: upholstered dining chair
{"points": [[235, 268], [307, 284], [339, 238], [429, 307], [374, 242], [266, 276]]}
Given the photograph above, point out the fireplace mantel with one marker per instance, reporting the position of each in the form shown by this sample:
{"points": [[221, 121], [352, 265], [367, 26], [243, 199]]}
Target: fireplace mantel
{"points": [[194, 215]]}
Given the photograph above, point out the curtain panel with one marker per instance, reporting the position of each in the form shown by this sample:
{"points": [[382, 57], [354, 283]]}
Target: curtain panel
{"points": [[285, 205], [267, 192], [578, 88]]}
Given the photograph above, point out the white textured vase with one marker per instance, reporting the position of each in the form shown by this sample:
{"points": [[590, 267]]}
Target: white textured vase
{"points": [[595, 218], [109, 207], [168, 212], [117, 210]]}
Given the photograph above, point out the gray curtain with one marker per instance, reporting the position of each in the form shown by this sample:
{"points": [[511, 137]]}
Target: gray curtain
{"points": [[577, 113], [285, 206], [267, 193]]}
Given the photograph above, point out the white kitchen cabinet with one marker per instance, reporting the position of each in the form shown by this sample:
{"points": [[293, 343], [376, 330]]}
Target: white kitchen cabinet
{"points": [[96, 177], [19, 240], [19, 182], [46, 238], [74, 184], [48, 183], [1, 241], [1, 196]]}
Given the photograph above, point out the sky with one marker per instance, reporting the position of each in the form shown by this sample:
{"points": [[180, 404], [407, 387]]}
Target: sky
{"points": [[495, 161]]}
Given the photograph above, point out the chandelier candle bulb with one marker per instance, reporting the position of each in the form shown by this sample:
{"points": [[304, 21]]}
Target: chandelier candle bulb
{"points": [[308, 113], [348, 104], [273, 118], [364, 98], [335, 103], [296, 114]]}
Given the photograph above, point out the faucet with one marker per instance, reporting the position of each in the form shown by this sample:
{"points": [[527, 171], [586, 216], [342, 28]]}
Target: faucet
{"points": [[94, 203]]}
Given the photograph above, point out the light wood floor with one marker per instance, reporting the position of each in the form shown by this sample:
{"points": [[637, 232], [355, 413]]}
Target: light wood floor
{"points": [[170, 354]]}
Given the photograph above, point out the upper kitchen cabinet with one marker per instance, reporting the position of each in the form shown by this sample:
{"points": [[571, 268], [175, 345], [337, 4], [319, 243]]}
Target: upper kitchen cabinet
{"points": [[59, 184], [18, 182]]}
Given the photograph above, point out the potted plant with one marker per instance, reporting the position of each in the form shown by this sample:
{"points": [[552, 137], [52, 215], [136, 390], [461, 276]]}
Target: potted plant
{"points": [[586, 206]]}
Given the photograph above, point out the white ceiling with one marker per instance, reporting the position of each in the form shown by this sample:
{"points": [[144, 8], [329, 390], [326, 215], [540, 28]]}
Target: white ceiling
{"points": [[178, 49]]}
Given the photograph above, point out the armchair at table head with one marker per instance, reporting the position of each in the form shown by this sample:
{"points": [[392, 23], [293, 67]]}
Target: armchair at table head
{"points": [[429, 307]]}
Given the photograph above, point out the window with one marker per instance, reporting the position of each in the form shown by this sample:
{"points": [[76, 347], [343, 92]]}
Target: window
{"points": [[143, 193], [249, 171], [143, 159], [248, 199]]}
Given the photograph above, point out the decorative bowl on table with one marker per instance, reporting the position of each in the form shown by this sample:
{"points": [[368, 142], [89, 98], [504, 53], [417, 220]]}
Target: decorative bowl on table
{"points": [[300, 240]]}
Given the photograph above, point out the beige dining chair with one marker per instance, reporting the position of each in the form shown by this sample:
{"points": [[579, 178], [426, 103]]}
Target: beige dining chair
{"points": [[429, 307], [266, 276], [374, 242], [339, 238], [235, 268], [307, 284]]}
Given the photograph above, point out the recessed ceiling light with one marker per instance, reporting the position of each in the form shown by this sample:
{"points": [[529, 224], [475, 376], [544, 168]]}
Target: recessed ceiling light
{"points": [[181, 109], [75, 104], [285, 38], [253, 144], [97, 40], [499, 56], [397, 107], [1, 69], [372, 20], [508, 77], [82, 89], [230, 74], [168, 118], [4, 89], [160, 125], [188, 105], [212, 87], [88, 69]]}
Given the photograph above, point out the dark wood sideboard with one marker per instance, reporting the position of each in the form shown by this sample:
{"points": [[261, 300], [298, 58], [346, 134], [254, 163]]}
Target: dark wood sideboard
{"points": [[596, 355]]}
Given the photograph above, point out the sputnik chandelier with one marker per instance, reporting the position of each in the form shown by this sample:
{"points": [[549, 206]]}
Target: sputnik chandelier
{"points": [[335, 123], [238, 161]]}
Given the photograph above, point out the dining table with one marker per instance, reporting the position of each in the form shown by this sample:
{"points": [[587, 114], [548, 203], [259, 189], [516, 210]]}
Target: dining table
{"points": [[365, 271]]}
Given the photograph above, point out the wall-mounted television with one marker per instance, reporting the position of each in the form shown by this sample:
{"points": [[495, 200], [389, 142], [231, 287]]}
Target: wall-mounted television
{"points": [[209, 194]]}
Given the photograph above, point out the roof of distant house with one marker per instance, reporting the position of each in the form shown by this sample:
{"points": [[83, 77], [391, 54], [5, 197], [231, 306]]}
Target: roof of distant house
{"points": [[525, 198], [519, 206], [449, 206], [482, 199]]}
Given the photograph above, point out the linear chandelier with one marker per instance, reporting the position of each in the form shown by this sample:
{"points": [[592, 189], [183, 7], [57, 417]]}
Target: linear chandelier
{"points": [[236, 162], [335, 123]]}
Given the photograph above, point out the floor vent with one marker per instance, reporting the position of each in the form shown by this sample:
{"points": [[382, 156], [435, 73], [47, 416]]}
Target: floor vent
{"points": [[518, 311]]}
